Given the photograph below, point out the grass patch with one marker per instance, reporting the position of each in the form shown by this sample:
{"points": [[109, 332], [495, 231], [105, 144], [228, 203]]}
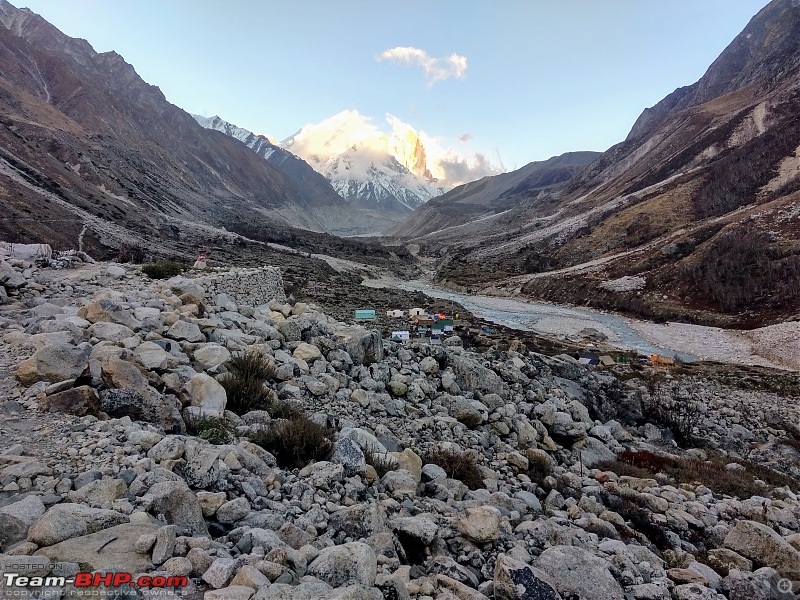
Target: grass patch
{"points": [[711, 473], [457, 466], [378, 461], [163, 269], [296, 442]]}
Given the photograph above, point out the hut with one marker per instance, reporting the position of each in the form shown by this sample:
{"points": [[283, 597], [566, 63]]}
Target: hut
{"points": [[395, 313], [400, 336], [417, 312], [365, 314]]}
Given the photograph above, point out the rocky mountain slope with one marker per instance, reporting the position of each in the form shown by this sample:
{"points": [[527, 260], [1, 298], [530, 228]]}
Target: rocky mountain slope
{"points": [[366, 167], [494, 195], [84, 141], [368, 215], [436, 472], [700, 202]]}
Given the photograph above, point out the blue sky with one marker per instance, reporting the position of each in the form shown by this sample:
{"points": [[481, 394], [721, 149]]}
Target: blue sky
{"points": [[541, 77]]}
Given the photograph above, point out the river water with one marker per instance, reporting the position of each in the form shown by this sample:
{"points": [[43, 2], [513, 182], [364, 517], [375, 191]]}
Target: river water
{"points": [[540, 317]]}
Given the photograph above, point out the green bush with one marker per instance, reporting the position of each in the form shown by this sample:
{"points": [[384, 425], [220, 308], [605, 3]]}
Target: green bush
{"points": [[457, 466], [296, 443], [215, 430], [163, 269]]}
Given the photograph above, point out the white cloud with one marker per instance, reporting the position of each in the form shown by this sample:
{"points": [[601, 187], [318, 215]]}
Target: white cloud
{"points": [[436, 69]]}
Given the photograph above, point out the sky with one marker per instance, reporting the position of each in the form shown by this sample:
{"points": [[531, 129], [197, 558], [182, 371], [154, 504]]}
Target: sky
{"points": [[505, 82]]}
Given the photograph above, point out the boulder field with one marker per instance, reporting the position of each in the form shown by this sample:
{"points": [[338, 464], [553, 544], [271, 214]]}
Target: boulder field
{"points": [[105, 376]]}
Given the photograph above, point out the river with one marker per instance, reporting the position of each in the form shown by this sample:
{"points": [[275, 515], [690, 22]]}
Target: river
{"points": [[540, 317]]}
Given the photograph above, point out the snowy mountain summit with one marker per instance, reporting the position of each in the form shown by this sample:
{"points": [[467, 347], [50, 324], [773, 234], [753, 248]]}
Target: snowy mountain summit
{"points": [[393, 172], [367, 167]]}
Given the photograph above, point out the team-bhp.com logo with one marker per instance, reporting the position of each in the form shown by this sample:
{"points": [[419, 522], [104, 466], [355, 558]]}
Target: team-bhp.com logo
{"points": [[94, 580]]}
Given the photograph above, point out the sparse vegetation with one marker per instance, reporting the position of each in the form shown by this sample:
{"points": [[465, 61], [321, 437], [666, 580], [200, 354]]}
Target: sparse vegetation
{"points": [[712, 473], [163, 269], [296, 442], [745, 269], [457, 466]]}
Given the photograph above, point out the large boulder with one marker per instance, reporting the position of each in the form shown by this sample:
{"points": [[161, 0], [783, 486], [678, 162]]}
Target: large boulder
{"points": [[307, 352], [9, 278], [364, 347], [576, 571], [121, 374], [178, 504], [514, 580], [64, 521], [55, 362], [352, 563], [111, 311], [17, 518], [151, 355], [207, 394], [479, 524], [106, 550], [142, 405], [211, 355], [79, 401], [764, 546], [473, 376], [185, 330]]}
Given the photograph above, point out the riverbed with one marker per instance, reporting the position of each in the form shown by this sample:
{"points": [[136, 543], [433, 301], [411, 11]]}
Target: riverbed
{"points": [[775, 346]]}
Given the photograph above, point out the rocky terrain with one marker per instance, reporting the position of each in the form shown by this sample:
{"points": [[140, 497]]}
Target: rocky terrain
{"points": [[128, 445]]}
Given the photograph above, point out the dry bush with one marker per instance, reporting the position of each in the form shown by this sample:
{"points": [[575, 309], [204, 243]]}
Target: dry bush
{"points": [[245, 387], [457, 466], [296, 443]]}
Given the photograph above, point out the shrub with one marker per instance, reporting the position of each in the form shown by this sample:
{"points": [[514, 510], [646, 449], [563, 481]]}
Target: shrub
{"points": [[245, 394], [131, 253], [163, 269], [457, 466], [296, 442], [215, 430], [245, 388]]}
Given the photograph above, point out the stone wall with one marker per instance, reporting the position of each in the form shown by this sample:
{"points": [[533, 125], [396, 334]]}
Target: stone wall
{"points": [[250, 287]]}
